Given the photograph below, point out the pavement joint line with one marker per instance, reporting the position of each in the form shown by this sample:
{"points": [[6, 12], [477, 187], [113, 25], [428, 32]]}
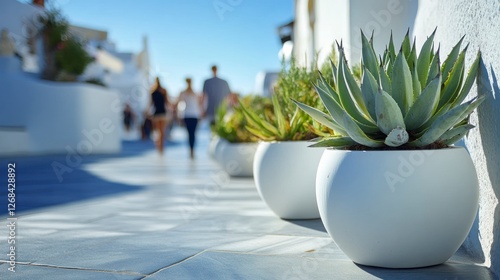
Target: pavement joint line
{"points": [[132, 273], [175, 264], [21, 263]]}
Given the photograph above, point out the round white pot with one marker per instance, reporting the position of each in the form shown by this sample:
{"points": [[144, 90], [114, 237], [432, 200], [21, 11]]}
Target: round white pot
{"points": [[219, 145], [214, 141], [285, 174], [237, 158], [397, 209]]}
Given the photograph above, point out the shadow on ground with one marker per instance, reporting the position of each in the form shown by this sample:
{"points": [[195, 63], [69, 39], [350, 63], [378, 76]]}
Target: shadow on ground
{"points": [[446, 271], [314, 224], [37, 184]]}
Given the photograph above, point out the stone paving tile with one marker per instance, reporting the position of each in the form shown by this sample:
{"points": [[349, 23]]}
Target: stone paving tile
{"points": [[223, 265], [276, 245], [31, 272], [137, 214], [313, 227]]}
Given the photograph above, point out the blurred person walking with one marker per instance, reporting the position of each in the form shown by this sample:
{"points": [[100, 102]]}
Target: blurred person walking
{"points": [[159, 102], [189, 104], [128, 117], [215, 90]]}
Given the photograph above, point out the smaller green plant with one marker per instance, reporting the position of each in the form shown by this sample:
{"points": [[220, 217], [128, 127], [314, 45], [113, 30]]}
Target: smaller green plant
{"points": [[71, 56], [230, 122], [65, 55], [404, 101], [286, 122]]}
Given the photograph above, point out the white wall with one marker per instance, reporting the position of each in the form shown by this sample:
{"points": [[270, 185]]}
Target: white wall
{"points": [[39, 117], [380, 17], [16, 17], [480, 22], [332, 24], [341, 20], [302, 34], [19, 19]]}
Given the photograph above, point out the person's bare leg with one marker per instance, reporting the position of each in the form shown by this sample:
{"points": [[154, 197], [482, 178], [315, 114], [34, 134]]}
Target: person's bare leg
{"points": [[161, 129]]}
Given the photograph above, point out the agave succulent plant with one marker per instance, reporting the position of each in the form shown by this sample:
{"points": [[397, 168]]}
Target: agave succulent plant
{"points": [[404, 100], [285, 121]]}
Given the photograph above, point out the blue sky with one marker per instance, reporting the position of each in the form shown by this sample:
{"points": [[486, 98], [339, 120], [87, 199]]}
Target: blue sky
{"points": [[187, 36]]}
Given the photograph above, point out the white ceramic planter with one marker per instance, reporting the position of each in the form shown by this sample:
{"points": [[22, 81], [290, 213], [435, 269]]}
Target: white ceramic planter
{"points": [[237, 158], [214, 141], [285, 175], [397, 209], [219, 145]]}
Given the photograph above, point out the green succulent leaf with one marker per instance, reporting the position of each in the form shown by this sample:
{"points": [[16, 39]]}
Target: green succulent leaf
{"points": [[347, 101], [256, 121], [446, 121], [385, 82], [355, 132], [451, 59], [449, 136], [412, 60], [323, 84], [389, 114], [369, 88], [469, 81], [402, 84], [261, 134], [321, 117], [391, 50], [434, 68], [334, 71], [279, 116], [416, 84], [405, 46], [451, 86], [354, 89], [423, 61], [296, 121], [423, 128], [332, 106], [335, 142], [425, 105], [369, 59]]}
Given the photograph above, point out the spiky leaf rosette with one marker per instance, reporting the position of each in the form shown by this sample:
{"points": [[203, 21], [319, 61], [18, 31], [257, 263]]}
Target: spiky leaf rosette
{"points": [[404, 100]]}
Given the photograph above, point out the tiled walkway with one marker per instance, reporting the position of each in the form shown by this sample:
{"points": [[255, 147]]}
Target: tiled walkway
{"points": [[141, 216]]}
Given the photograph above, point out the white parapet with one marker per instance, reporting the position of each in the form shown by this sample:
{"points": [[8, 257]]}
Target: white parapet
{"points": [[43, 117]]}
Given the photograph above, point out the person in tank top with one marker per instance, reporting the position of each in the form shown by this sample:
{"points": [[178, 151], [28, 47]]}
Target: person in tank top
{"points": [[159, 102], [190, 104]]}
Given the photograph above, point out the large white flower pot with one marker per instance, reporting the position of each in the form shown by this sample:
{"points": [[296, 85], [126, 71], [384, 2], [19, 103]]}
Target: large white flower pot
{"points": [[397, 209], [237, 158], [219, 145], [214, 141], [285, 176]]}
